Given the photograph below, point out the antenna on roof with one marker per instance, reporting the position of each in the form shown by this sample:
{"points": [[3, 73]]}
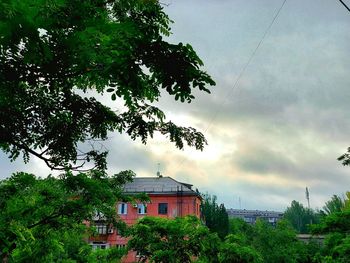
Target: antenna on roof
{"points": [[158, 172]]}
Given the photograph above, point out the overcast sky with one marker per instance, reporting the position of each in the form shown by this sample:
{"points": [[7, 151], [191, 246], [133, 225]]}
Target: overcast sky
{"points": [[279, 130]]}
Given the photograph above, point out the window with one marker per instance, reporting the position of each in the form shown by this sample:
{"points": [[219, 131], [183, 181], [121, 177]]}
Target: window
{"points": [[122, 208], [141, 209], [96, 245], [162, 208], [120, 246], [101, 229]]}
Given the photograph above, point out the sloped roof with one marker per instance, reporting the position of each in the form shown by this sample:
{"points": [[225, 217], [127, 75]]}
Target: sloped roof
{"points": [[158, 185]]}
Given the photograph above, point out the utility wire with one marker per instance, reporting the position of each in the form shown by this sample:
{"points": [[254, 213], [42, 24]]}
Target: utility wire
{"points": [[344, 5], [243, 70], [246, 65]]}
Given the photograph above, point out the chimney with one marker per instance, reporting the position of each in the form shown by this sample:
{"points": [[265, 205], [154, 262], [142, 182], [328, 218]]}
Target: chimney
{"points": [[158, 172]]}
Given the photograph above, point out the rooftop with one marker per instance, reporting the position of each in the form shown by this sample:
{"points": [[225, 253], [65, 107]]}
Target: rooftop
{"points": [[158, 185], [244, 212]]}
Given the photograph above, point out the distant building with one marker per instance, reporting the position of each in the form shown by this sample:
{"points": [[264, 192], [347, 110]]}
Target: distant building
{"points": [[250, 216], [168, 199], [307, 238]]}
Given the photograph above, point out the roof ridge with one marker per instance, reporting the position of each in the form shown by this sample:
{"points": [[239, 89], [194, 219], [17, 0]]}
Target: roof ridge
{"points": [[156, 183], [182, 184], [151, 177]]}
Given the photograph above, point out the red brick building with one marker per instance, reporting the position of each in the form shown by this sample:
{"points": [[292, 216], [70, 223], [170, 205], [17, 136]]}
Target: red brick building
{"points": [[168, 198]]}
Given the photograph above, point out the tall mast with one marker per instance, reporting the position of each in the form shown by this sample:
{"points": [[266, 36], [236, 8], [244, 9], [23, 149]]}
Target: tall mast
{"points": [[307, 197]]}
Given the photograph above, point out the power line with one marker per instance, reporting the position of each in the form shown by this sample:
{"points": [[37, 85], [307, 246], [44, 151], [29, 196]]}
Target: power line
{"points": [[243, 70], [344, 5], [247, 64]]}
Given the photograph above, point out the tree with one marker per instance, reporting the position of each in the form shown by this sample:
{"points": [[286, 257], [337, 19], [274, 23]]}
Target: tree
{"points": [[345, 158], [335, 222], [234, 250], [210, 248], [278, 244], [63, 245], [272, 243], [336, 204], [53, 56], [42, 220], [52, 53], [176, 240], [238, 227], [184, 240], [300, 217], [215, 216], [347, 201], [336, 226]]}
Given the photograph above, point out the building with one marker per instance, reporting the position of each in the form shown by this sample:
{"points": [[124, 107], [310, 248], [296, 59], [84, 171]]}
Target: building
{"points": [[168, 198], [250, 216], [307, 238]]}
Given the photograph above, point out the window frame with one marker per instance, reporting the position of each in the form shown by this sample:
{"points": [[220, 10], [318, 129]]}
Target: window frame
{"points": [[96, 246], [141, 209], [122, 208], [121, 246], [162, 208], [101, 229]]}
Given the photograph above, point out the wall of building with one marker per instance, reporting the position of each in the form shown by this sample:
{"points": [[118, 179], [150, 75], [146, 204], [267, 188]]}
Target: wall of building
{"points": [[178, 206], [250, 216]]}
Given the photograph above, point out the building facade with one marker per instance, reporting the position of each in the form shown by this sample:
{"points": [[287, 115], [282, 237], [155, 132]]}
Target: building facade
{"points": [[168, 198], [250, 216]]}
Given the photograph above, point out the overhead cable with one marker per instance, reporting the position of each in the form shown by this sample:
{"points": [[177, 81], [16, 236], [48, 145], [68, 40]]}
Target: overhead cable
{"points": [[341, 1], [243, 70]]}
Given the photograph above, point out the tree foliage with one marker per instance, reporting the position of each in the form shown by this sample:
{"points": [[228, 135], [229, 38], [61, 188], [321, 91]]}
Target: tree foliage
{"points": [[242, 230], [53, 53], [336, 226], [274, 243], [336, 204], [345, 158], [215, 216], [235, 250], [300, 217], [279, 244], [161, 240], [66, 245], [176, 240], [55, 56], [42, 220], [186, 240]]}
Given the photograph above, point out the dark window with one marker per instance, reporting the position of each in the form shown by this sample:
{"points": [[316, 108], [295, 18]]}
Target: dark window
{"points": [[162, 208]]}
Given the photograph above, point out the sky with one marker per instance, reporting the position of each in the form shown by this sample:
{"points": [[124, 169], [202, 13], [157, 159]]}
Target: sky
{"points": [[278, 130]]}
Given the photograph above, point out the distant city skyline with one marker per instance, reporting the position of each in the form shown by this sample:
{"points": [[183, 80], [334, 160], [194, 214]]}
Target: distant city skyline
{"points": [[278, 131]]}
